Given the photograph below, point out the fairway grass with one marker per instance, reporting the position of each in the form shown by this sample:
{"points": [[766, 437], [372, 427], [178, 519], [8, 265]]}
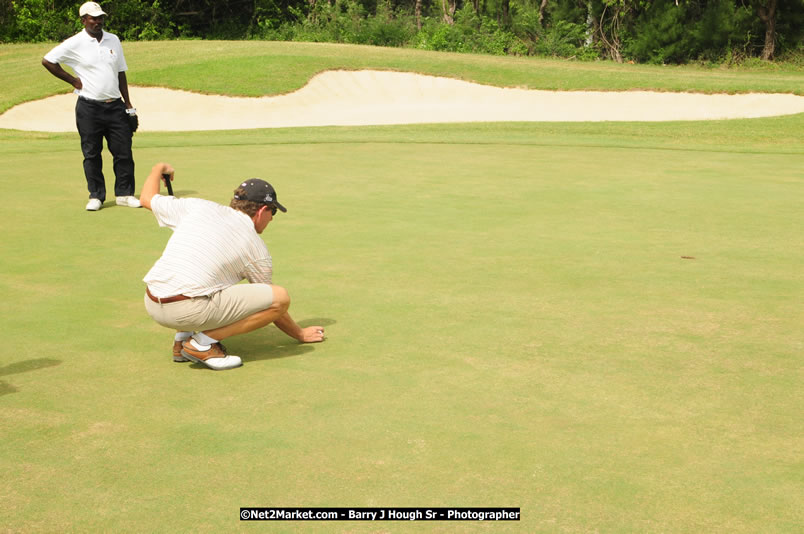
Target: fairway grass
{"points": [[259, 68], [598, 323]]}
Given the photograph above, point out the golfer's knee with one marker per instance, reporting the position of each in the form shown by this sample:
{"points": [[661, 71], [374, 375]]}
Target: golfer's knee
{"points": [[281, 300]]}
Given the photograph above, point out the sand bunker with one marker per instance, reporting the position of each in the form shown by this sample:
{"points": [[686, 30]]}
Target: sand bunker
{"points": [[356, 98]]}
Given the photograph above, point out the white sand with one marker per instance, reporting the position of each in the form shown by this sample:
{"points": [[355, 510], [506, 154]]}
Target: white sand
{"points": [[380, 97]]}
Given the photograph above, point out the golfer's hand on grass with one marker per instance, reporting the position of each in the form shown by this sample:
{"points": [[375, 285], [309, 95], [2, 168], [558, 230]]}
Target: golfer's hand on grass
{"points": [[312, 334]]}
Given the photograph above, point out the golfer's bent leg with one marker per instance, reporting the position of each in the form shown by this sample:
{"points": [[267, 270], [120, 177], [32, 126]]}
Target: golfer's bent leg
{"points": [[278, 308]]}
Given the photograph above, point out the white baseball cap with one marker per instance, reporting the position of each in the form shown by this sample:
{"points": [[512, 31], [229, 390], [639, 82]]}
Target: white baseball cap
{"points": [[90, 8]]}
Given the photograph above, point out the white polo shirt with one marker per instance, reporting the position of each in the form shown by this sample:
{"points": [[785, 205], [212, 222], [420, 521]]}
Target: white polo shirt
{"points": [[212, 247], [96, 64]]}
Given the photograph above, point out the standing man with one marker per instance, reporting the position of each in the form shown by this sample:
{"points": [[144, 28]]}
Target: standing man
{"points": [[193, 288], [97, 59]]}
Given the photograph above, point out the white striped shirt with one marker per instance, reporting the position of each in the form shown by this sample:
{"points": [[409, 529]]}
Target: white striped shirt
{"points": [[212, 247]]}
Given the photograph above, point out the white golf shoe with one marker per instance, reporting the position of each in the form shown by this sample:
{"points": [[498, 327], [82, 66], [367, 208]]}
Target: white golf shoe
{"points": [[215, 357], [94, 204], [128, 201]]}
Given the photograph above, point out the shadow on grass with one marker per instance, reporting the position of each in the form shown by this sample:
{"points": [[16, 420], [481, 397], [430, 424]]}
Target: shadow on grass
{"points": [[28, 365], [272, 346], [23, 367]]}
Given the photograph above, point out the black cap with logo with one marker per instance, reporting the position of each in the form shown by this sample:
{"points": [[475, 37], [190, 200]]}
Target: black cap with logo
{"points": [[261, 192]]}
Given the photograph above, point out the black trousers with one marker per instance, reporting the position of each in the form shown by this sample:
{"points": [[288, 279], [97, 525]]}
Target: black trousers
{"points": [[96, 120]]}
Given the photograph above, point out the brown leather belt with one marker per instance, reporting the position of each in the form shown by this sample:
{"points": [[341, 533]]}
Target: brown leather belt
{"points": [[166, 300]]}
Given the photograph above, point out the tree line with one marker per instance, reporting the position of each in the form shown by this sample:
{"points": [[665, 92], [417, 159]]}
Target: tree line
{"points": [[643, 31]]}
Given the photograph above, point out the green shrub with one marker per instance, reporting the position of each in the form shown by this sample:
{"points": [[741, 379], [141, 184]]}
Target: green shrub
{"points": [[39, 20], [440, 37], [139, 20], [470, 33], [717, 31], [561, 39], [552, 37], [388, 28], [660, 35]]}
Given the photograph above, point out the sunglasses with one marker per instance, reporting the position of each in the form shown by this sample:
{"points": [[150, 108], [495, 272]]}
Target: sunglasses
{"points": [[273, 210]]}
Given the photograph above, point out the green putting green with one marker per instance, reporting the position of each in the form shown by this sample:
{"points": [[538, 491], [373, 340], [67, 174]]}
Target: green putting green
{"points": [[598, 323]]}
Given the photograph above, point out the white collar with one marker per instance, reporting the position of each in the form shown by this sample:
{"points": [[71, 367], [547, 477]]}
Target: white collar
{"points": [[103, 35]]}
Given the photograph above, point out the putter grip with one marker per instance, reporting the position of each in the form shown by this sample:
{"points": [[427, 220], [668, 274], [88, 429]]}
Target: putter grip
{"points": [[166, 177]]}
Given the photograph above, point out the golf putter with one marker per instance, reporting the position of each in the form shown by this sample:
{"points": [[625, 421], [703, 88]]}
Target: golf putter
{"points": [[166, 177]]}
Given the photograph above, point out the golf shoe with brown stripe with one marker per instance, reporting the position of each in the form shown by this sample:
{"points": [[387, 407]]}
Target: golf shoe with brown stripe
{"points": [[215, 357]]}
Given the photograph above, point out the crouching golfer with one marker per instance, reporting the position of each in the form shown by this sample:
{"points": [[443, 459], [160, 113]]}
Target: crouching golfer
{"points": [[193, 288]]}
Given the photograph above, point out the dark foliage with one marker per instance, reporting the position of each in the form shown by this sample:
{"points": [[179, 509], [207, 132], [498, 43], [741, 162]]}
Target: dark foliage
{"points": [[652, 31]]}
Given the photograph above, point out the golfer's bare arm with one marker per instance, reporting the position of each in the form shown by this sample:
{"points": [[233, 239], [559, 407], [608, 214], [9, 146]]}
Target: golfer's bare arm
{"points": [[311, 334], [122, 83], [154, 182], [58, 71]]}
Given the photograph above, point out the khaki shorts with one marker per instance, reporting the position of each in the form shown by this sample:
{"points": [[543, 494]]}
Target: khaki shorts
{"points": [[207, 313]]}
